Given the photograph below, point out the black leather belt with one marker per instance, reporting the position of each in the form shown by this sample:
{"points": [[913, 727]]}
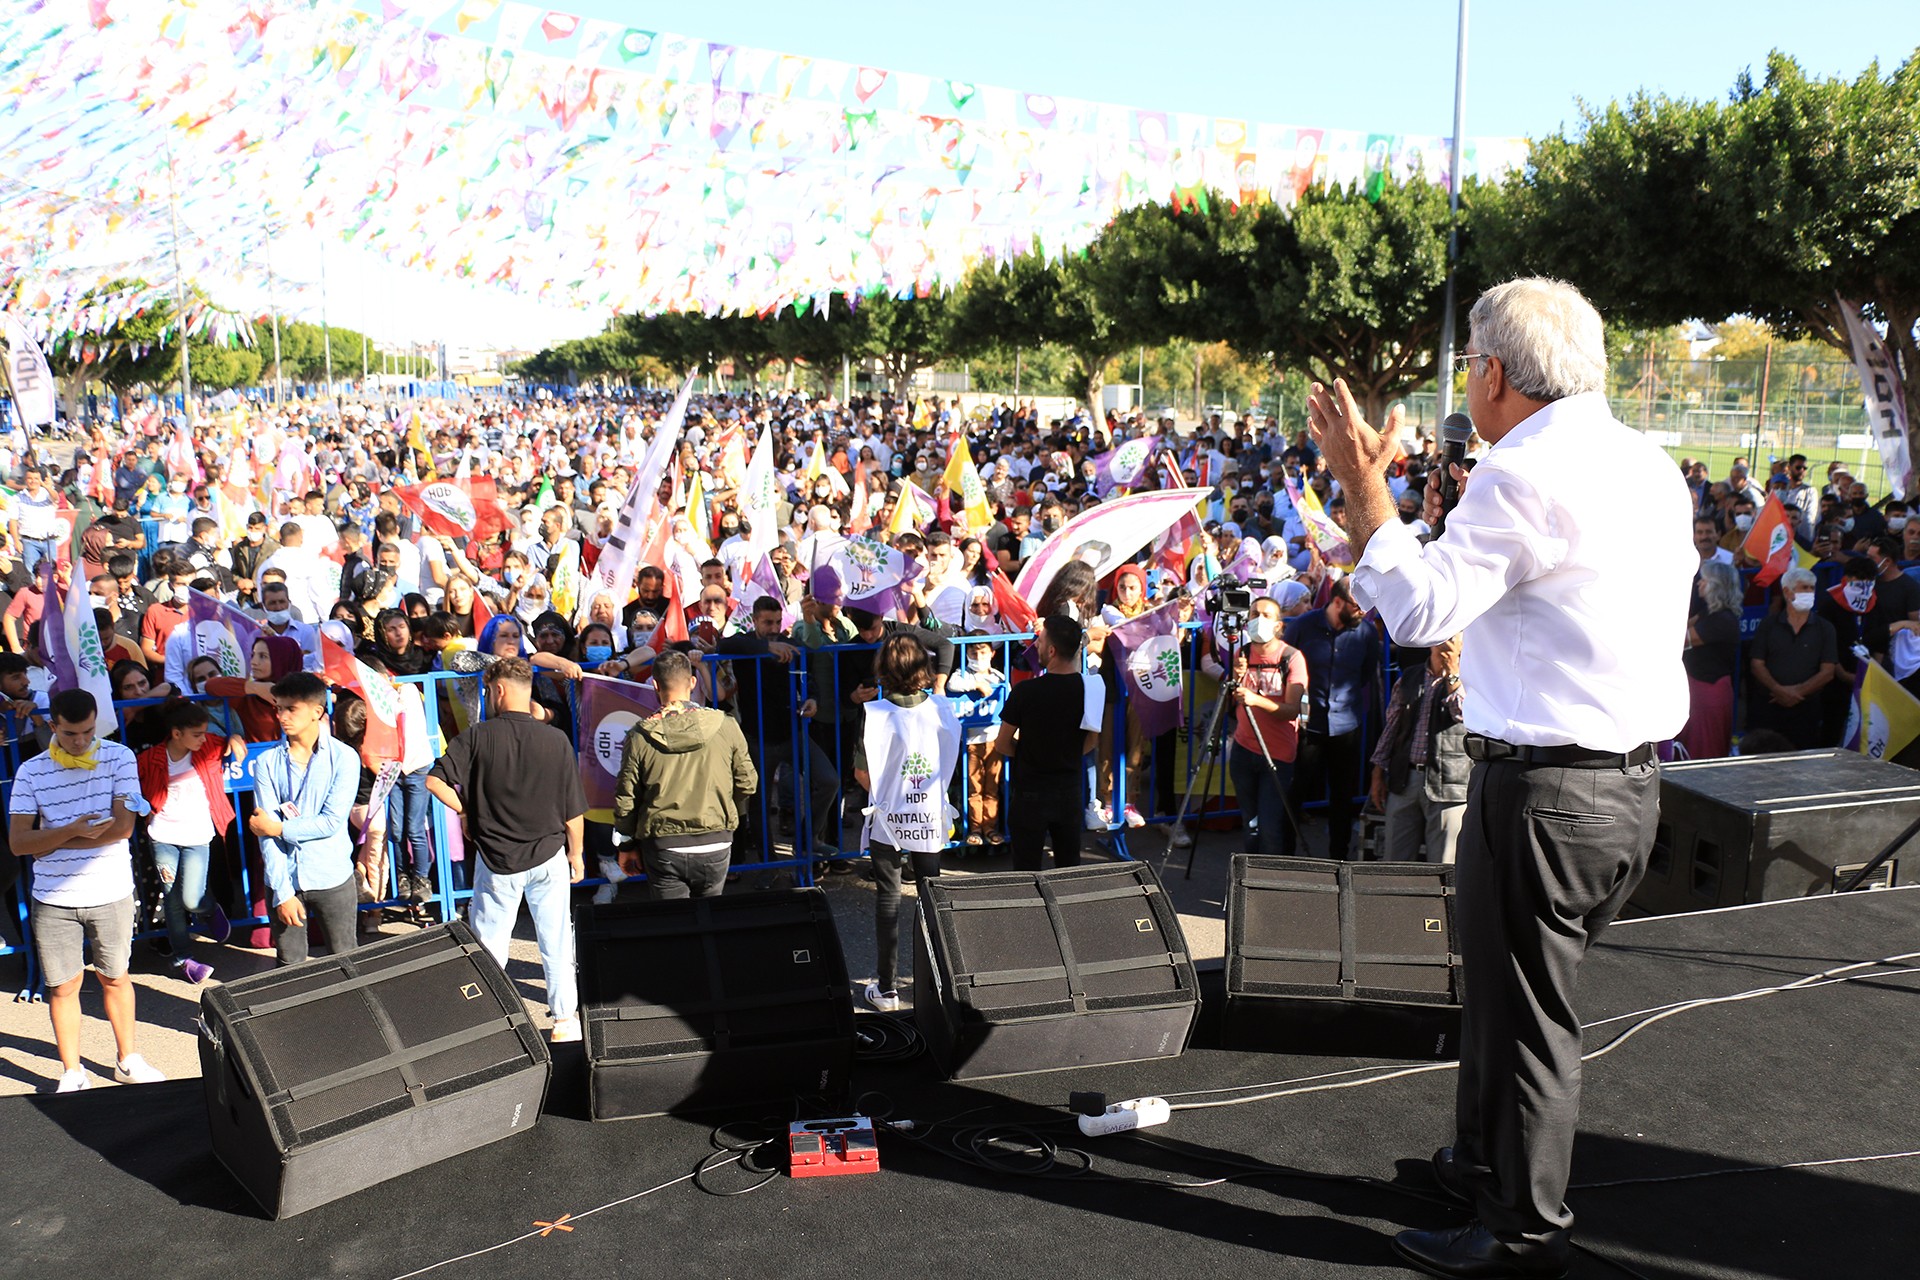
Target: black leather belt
{"points": [[1481, 747]]}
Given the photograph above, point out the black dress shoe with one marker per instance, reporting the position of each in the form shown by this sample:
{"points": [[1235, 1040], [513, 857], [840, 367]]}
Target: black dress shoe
{"points": [[1474, 1253], [1446, 1172]]}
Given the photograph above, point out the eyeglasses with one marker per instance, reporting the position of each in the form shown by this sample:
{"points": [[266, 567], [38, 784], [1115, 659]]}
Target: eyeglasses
{"points": [[1464, 362]]}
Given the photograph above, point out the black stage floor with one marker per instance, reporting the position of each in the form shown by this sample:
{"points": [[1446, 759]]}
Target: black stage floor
{"points": [[120, 1182]]}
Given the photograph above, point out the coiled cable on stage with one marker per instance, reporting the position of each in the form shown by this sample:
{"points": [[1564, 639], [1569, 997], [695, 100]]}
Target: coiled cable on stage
{"points": [[879, 1037]]}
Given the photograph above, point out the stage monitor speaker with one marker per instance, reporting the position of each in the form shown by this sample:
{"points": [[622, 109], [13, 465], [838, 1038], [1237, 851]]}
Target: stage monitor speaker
{"points": [[1740, 829], [1342, 958], [327, 1077], [697, 1004], [1026, 971]]}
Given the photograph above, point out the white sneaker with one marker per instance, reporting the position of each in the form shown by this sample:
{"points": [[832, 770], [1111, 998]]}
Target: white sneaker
{"points": [[611, 870], [1099, 817], [134, 1069], [74, 1081], [603, 895], [565, 1031], [884, 1001], [1133, 817], [1178, 837]]}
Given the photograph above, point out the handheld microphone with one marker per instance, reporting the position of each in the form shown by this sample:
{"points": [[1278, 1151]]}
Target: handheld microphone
{"points": [[1455, 432]]}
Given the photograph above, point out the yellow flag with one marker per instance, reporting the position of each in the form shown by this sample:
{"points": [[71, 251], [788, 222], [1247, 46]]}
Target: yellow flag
{"points": [[913, 510], [422, 452], [965, 493], [1889, 716]]}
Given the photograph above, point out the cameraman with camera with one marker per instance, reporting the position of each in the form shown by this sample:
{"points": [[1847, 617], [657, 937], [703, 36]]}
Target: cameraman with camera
{"points": [[1269, 691]]}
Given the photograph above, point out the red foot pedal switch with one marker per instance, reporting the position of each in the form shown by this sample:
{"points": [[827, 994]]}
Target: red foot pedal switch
{"points": [[823, 1148]]}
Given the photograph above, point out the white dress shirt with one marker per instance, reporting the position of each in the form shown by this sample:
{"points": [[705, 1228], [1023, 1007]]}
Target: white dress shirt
{"points": [[1568, 565]]}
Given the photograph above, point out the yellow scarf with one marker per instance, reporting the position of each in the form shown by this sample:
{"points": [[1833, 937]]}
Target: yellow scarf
{"points": [[67, 760]]}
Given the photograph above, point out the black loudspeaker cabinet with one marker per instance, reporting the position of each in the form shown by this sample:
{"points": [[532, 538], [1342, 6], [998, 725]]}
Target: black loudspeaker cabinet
{"points": [[700, 1004], [1742, 829], [327, 1077], [1342, 958], [1020, 972]]}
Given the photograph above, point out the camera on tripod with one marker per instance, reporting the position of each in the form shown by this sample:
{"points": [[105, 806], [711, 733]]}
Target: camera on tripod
{"points": [[1229, 603]]}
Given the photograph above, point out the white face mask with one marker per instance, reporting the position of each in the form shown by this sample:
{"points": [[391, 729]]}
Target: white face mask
{"points": [[1802, 600], [1743, 522], [1262, 630], [279, 617], [1847, 524], [1896, 523]]}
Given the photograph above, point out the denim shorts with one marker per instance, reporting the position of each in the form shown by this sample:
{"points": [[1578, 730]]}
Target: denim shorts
{"points": [[60, 935]]}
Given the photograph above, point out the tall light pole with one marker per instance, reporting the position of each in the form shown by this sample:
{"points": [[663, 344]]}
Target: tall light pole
{"points": [[273, 307], [1453, 205]]}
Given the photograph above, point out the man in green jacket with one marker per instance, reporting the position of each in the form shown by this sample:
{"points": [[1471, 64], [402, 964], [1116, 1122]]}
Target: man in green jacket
{"points": [[684, 779]]}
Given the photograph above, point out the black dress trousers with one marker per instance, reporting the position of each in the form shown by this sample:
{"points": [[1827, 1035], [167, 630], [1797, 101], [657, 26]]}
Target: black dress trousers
{"points": [[1548, 856]]}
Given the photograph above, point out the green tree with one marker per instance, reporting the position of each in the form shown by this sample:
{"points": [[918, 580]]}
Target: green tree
{"points": [[905, 335], [1343, 284], [1032, 301], [1794, 191]]}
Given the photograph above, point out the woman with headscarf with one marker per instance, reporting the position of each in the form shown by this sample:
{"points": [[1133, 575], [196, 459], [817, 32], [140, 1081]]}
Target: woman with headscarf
{"points": [[272, 660], [393, 642]]}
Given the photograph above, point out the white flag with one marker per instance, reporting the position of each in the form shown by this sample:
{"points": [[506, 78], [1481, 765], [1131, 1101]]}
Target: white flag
{"points": [[1886, 404], [27, 370], [619, 560]]}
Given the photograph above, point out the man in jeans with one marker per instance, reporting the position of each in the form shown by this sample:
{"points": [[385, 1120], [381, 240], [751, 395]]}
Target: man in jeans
{"points": [[72, 811], [516, 784], [684, 778], [303, 790], [1342, 650]]}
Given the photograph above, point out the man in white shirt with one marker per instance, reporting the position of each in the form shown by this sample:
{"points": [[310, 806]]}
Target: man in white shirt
{"points": [[309, 584], [72, 812], [1571, 667]]}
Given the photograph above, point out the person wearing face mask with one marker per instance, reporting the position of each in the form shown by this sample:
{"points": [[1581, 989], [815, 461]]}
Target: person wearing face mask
{"points": [[1269, 692], [1795, 654], [1342, 649], [174, 510], [1898, 594], [247, 555], [1420, 764]]}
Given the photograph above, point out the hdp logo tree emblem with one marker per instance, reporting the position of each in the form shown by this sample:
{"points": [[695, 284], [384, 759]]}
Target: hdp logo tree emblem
{"points": [[916, 769]]}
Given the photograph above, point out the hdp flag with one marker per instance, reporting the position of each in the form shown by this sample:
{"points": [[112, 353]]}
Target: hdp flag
{"points": [[608, 711], [965, 494], [1769, 543], [1886, 718], [384, 705], [1149, 648]]}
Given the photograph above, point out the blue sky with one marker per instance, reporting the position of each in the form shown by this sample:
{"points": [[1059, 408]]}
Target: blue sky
{"points": [[1385, 67]]}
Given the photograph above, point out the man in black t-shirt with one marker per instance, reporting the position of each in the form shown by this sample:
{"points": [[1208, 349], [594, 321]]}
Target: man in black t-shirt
{"points": [[1043, 731], [516, 784]]}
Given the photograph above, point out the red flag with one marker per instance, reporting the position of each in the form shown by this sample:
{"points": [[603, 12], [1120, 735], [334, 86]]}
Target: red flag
{"points": [[1770, 542], [481, 614], [672, 628], [445, 509], [382, 698], [489, 513], [1016, 612]]}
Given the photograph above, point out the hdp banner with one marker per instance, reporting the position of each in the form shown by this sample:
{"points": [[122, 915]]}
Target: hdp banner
{"points": [[1886, 403], [32, 381], [1149, 651], [608, 711]]}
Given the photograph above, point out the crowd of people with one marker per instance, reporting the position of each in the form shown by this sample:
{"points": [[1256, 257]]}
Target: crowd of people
{"points": [[298, 518]]}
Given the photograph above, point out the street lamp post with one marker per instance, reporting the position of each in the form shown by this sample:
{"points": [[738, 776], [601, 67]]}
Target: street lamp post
{"points": [[1453, 206]]}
